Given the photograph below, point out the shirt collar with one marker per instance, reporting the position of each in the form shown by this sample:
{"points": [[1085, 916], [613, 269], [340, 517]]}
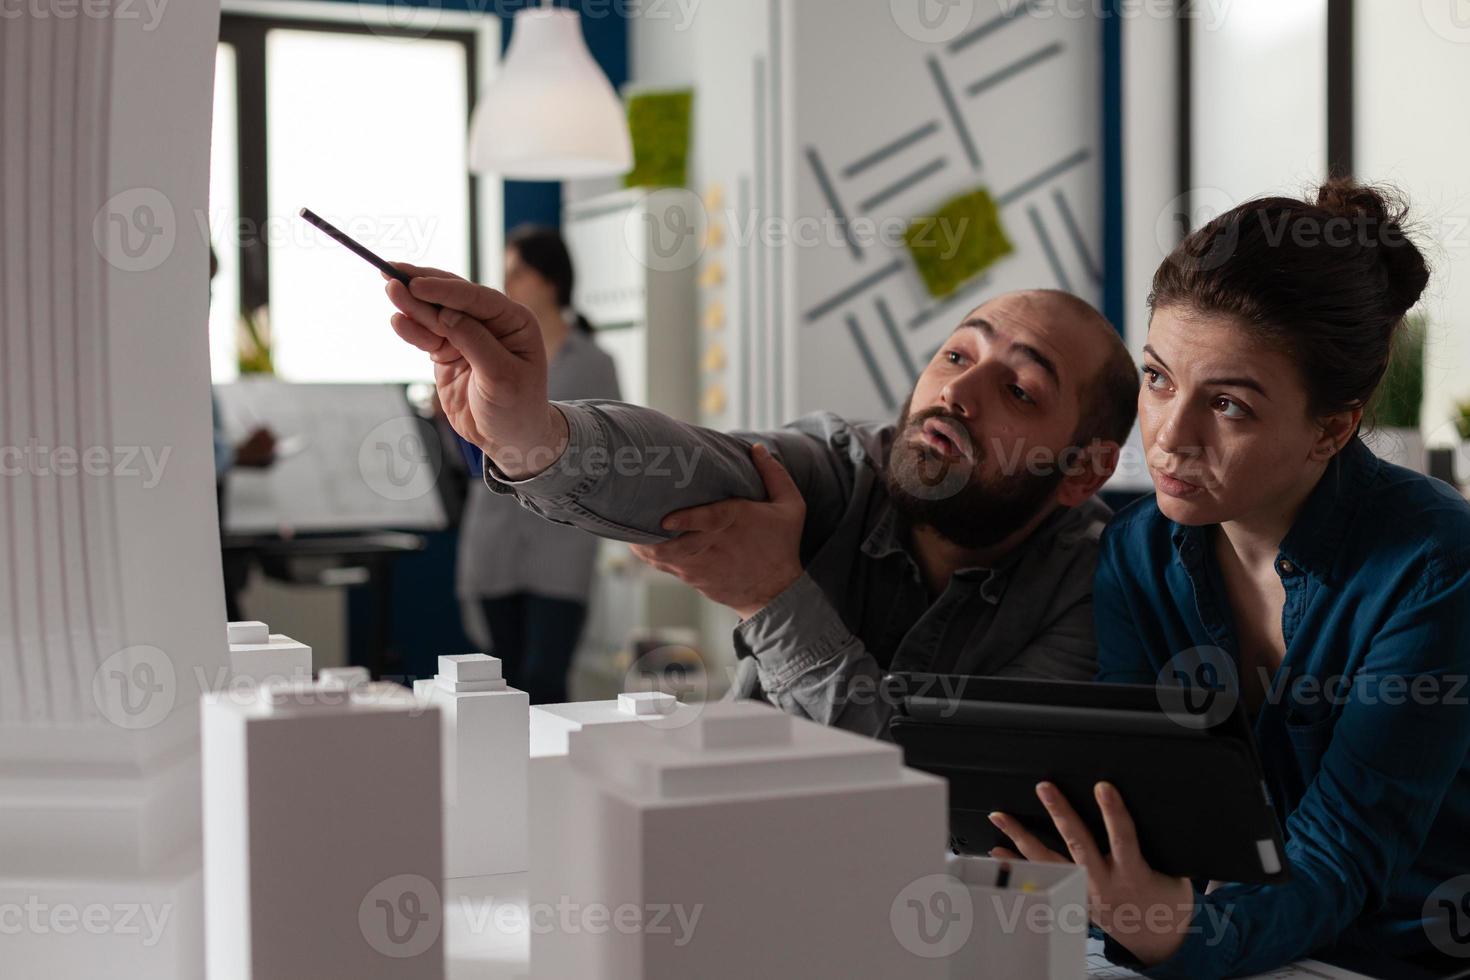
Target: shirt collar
{"points": [[1315, 536]]}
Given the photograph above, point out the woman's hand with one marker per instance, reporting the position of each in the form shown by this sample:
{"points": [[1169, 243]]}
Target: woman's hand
{"points": [[489, 366], [1146, 912]]}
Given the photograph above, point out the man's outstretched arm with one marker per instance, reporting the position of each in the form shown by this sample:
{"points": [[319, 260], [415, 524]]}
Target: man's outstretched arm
{"points": [[612, 469]]}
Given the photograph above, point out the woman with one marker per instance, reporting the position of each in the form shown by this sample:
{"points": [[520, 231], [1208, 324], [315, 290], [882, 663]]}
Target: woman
{"points": [[1335, 587], [527, 577]]}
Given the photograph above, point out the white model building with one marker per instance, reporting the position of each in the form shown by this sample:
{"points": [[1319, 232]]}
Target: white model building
{"points": [[552, 723], [258, 656], [486, 746], [737, 842], [110, 587], [323, 833]]}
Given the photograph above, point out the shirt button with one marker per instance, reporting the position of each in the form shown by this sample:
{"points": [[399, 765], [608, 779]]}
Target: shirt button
{"points": [[1285, 567]]}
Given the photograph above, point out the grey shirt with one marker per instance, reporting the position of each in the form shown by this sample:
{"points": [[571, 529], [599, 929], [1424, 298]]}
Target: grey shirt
{"points": [[861, 607], [504, 549]]}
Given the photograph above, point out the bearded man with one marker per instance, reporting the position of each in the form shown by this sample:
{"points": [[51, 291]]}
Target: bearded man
{"points": [[960, 539]]}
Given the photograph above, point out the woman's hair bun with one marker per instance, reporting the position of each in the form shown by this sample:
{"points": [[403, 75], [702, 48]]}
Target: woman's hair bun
{"points": [[1406, 272]]}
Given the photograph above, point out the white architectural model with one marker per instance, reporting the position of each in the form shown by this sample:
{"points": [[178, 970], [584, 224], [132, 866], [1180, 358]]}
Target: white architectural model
{"points": [[258, 656], [552, 723], [739, 842], [1030, 920], [110, 587], [323, 833], [485, 758]]}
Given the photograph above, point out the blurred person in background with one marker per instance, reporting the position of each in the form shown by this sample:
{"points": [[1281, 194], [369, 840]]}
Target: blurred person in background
{"points": [[528, 578]]}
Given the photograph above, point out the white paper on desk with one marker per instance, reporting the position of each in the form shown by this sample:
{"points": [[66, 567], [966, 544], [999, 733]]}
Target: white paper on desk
{"points": [[1098, 968], [351, 457]]}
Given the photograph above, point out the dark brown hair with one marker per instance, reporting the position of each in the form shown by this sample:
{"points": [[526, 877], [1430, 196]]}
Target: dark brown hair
{"points": [[543, 250], [1327, 282]]}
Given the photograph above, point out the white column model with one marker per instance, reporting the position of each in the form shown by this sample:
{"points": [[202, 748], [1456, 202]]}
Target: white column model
{"points": [[323, 847], [111, 600], [486, 745], [733, 842]]}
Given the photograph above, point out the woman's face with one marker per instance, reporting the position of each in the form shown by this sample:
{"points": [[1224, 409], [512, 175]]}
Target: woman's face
{"points": [[524, 285], [1226, 431]]}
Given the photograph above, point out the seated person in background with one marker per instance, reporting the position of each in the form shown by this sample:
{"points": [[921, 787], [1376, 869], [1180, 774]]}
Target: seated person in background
{"points": [[963, 539], [1328, 589]]}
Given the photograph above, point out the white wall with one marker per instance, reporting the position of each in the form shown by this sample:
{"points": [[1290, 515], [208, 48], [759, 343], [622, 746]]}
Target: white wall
{"points": [[1150, 171], [859, 80], [1413, 131]]}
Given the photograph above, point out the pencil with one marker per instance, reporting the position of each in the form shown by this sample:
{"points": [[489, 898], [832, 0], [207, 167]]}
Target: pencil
{"points": [[387, 267]]}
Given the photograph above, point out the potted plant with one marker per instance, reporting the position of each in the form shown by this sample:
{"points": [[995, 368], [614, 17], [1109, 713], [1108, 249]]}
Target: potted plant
{"points": [[1394, 416], [1462, 451], [254, 343]]}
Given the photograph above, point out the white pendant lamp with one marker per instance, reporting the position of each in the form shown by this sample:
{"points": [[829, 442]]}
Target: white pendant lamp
{"points": [[551, 114]]}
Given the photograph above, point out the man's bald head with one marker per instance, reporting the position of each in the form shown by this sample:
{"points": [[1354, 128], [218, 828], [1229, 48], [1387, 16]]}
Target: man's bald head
{"points": [[1108, 397]]}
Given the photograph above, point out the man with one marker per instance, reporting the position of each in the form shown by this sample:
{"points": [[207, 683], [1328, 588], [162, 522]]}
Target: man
{"points": [[960, 540]]}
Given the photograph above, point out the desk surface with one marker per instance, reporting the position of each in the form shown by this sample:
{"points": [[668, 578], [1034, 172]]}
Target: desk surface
{"points": [[487, 937]]}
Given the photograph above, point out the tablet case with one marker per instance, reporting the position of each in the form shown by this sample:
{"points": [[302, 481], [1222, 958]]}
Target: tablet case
{"points": [[1186, 768]]}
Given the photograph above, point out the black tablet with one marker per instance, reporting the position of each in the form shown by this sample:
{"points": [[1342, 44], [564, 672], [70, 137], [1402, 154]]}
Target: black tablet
{"points": [[1182, 758]]}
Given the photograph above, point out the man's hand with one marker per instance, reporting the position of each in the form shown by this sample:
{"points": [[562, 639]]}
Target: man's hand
{"points": [[489, 366], [739, 553]]}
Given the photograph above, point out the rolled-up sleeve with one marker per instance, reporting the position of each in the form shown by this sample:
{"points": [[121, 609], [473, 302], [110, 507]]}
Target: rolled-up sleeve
{"points": [[625, 468]]}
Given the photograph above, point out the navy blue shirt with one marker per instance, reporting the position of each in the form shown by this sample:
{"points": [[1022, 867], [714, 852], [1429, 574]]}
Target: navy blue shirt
{"points": [[1365, 728]]}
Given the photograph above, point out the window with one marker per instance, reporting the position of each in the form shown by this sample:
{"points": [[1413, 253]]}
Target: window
{"points": [[1260, 81], [224, 215], [368, 129]]}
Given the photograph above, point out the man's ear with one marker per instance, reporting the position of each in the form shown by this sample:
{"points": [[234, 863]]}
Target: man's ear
{"points": [[1085, 469], [1334, 433]]}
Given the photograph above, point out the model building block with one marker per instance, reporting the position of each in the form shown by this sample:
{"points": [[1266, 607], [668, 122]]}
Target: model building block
{"points": [[258, 656], [736, 842], [486, 748], [322, 834]]}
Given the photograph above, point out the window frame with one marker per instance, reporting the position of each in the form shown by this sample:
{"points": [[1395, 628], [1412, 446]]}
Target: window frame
{"points": [[246, 34]]}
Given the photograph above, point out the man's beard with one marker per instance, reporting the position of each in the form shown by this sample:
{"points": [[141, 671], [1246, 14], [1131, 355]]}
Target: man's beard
{"points": [[950, 496]]}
